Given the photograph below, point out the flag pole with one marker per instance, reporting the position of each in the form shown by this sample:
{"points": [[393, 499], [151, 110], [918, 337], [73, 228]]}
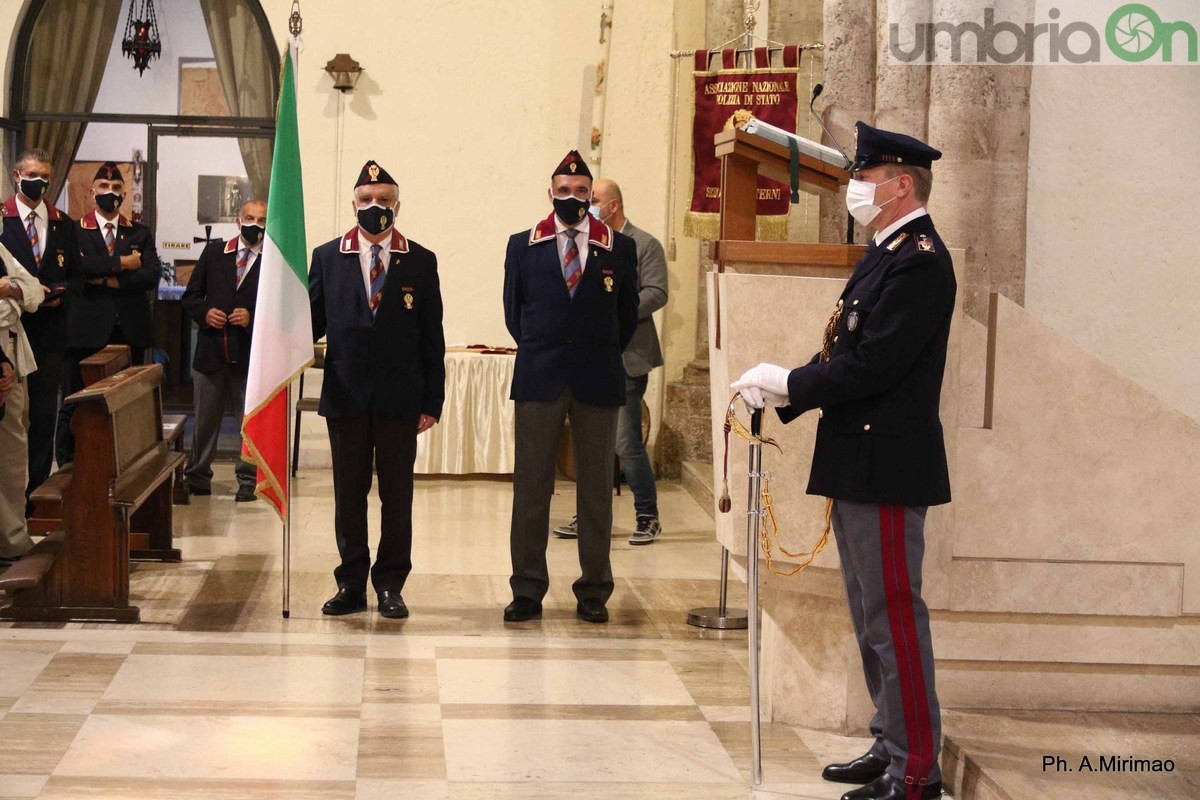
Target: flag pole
{"points": [[287, 515]]}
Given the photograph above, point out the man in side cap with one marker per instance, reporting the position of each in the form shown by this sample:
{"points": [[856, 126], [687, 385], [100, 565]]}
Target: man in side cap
{"points": [[879, 453], [570, 303], [44, 241], [376, 298], [120, 270], [220, 298]]}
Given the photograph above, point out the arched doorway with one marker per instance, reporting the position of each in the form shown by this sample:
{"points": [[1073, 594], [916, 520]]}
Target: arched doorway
{"points": [[192, 134], [217, 76]]}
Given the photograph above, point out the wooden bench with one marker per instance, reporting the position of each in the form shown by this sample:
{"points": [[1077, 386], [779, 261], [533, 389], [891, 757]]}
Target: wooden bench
{"points": [[120, 481], [47, 498]]}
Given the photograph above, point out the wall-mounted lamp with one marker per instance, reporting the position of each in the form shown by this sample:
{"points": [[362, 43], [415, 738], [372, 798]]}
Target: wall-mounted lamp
{"points": [[345, 72]]}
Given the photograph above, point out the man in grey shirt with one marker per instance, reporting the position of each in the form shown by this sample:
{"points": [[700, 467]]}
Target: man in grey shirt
{"points": [[642, 355]]}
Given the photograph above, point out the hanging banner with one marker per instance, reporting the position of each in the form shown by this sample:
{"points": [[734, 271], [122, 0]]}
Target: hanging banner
{"points": [[727, 97]]}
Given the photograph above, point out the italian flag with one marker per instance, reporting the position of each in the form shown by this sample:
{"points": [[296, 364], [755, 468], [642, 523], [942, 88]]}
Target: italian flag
{"points": [[282, 345]]}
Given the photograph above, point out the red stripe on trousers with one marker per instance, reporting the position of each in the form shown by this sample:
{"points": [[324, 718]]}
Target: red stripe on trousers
{"points": [[913, 697]]}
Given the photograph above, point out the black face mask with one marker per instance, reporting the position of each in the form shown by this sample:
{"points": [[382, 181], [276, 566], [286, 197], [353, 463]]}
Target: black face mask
{"points": [[108, 202], [251, 234], [571, 210], [375, 219], [33, 188]]}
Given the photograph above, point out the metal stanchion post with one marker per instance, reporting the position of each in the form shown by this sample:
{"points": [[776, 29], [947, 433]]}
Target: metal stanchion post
{"points": [[719, 617], [753, 520]]}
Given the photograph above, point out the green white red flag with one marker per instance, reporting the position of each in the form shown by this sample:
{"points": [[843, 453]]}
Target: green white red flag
{"points": [[282, 346]]}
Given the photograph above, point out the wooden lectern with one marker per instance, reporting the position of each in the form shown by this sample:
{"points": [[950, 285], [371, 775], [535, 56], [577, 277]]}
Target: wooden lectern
{"points": [[743, 156]]}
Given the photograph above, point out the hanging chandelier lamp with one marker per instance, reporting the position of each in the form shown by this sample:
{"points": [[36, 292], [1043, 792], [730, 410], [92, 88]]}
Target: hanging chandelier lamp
{"points": [[142, 41]]}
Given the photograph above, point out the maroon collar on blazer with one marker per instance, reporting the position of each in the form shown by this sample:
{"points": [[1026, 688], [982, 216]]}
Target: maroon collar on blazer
{"points": [[599, 234], [10, 210], [350, 242]]}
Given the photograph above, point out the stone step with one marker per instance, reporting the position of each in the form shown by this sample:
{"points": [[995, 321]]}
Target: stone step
{"points": [[685, 433], [696, 372], [697, 479]]}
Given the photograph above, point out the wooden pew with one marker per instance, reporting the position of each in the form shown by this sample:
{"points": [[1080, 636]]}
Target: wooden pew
{"points": [[110, 360], [47, 498], [123, 475]]}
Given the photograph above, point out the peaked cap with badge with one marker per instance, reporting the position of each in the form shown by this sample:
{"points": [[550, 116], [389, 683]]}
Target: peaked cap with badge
{"points": [[877, 147]]}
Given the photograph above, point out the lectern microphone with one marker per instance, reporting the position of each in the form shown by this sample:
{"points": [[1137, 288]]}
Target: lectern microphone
{"points": [[820, 87]]}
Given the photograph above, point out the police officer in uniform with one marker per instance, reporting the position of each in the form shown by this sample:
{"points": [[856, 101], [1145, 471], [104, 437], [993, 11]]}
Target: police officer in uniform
{"points": [[879, 454]]}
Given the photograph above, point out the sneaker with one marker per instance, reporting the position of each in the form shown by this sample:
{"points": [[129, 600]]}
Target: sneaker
{"points": [[648, 529], [568, 531]]}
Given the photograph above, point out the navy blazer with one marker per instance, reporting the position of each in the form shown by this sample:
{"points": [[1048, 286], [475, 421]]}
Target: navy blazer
{"points": [[392, 365], [59, 268], [880, 438], [213, 284], [98, 309], [564, 341]]}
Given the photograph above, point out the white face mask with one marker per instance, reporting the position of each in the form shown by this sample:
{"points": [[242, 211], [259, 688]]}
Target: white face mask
{"points": [[860, 200], [594, 210]]}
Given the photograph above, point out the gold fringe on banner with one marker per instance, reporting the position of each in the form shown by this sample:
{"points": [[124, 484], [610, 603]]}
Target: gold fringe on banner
{"points": [[701, 225]]}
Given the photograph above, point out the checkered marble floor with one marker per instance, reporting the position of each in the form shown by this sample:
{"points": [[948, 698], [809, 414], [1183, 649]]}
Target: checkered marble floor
{"points": [[215, 695]]}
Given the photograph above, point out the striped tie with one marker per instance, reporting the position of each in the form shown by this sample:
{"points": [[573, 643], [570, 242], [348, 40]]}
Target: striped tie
{"points": [[377, 277], [31, 232], [110, 241], [242, 263], [572, 271]]}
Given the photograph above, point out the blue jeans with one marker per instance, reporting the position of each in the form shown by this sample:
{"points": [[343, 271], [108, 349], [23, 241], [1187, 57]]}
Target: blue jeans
{"points": [[635, 461]]}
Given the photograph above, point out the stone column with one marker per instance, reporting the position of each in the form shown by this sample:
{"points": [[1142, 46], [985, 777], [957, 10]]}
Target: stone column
{"points": [[979, 119], [849, 78]]}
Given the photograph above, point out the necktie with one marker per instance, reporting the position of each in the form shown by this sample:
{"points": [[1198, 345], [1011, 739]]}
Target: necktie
{"points": [[377, 278], [243, 262], [31, 231], [572, 271], [110, 241]]}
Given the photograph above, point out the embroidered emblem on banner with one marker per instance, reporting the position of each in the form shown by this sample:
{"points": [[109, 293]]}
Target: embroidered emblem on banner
{"points": [[408, 301], [608, 284], [852, 321], [924, 243], [895, 243]]}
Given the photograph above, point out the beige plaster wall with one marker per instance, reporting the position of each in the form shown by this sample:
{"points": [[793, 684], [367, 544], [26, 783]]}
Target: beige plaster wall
{"points": [[1112, 189], [470, 104]]}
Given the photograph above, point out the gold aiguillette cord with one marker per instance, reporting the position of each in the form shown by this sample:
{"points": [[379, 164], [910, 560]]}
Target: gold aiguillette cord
{"points": [[771, 529]]}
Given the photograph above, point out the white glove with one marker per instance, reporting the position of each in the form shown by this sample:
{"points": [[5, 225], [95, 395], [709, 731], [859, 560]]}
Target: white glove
{"points": [[769, 380], [756, 398]]}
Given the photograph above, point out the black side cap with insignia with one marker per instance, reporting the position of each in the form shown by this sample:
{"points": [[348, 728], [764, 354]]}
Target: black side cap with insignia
{"points": [[877, 147], [572, 164], [371, 174]]}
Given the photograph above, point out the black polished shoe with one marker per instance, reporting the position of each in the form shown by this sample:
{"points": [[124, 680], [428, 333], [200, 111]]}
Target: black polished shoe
{"points": [[863, 769], [592, 610], [346, 601], [391, 605], [522, 609], [885, 787], [245, 494], [199, 491]]}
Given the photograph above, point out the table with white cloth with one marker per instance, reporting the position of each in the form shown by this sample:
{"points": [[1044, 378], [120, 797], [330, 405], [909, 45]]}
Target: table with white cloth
{"points": [[475, 433]]}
